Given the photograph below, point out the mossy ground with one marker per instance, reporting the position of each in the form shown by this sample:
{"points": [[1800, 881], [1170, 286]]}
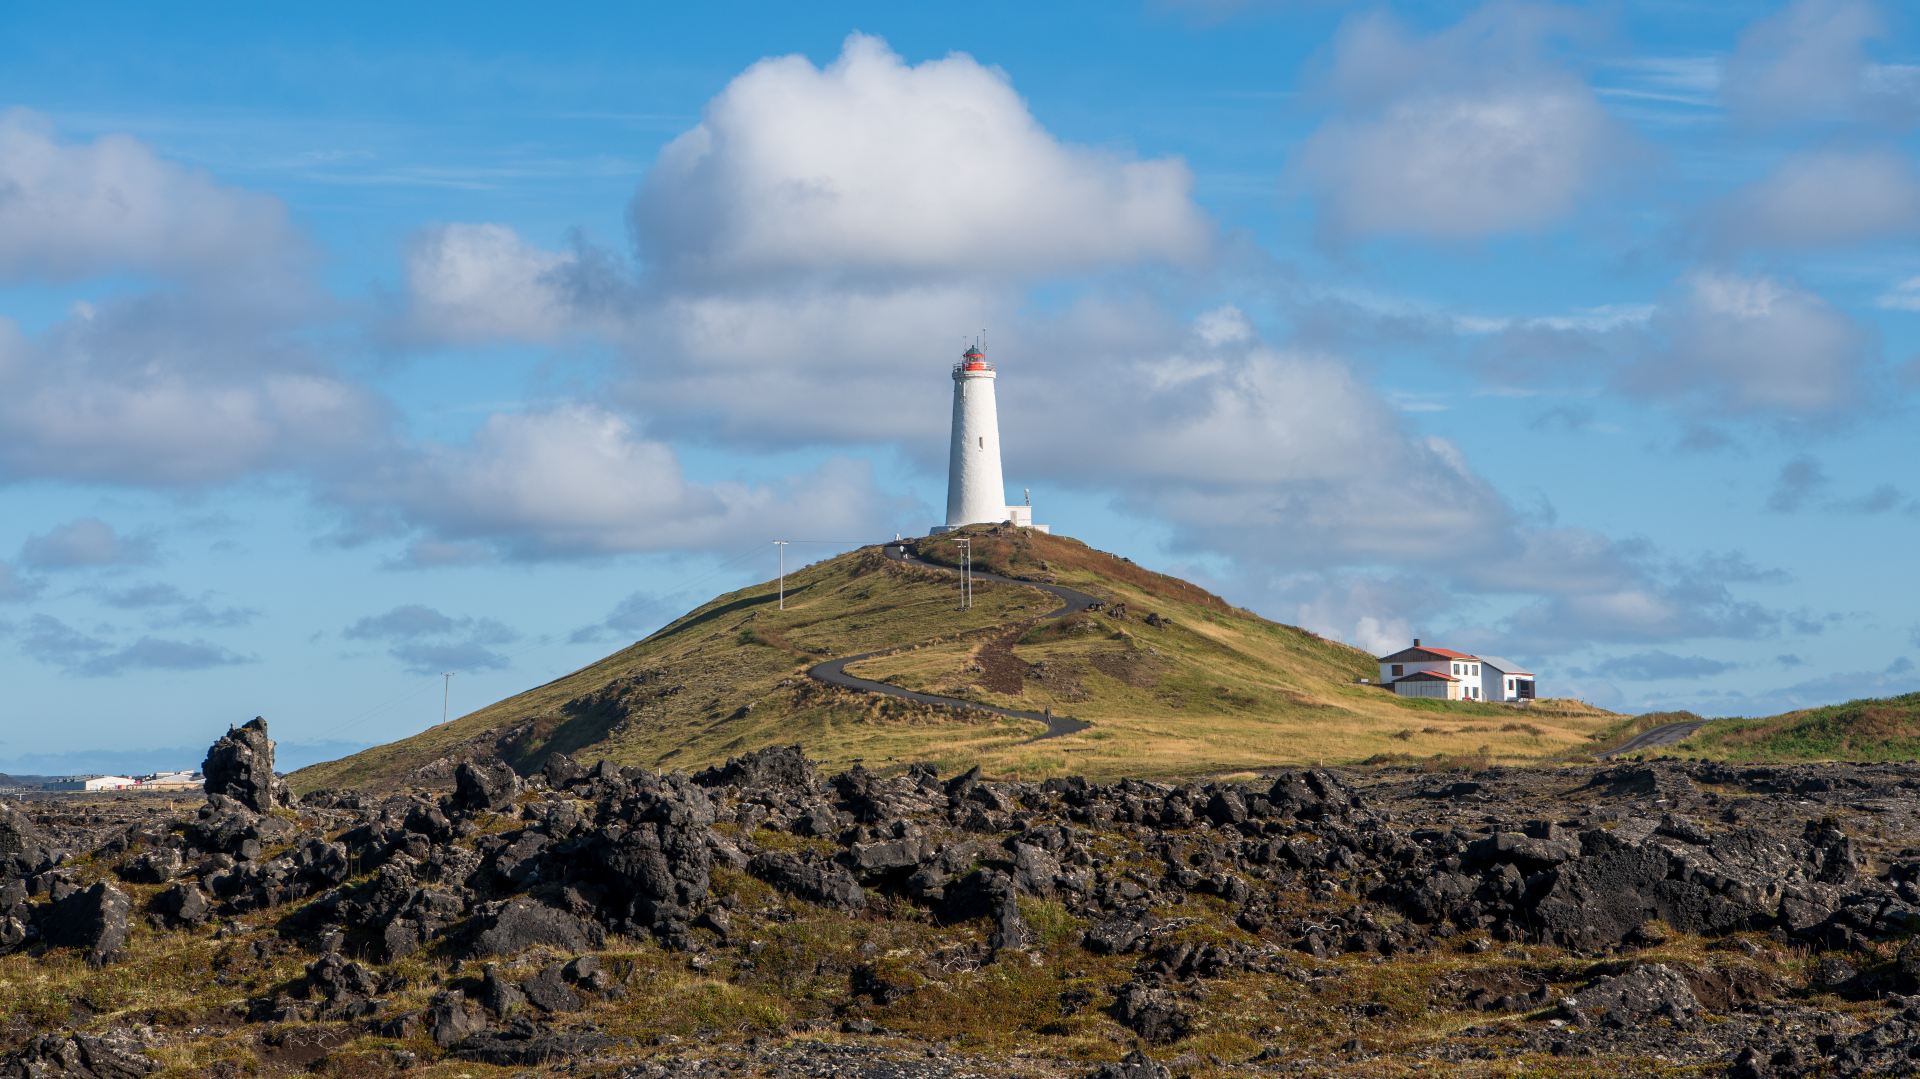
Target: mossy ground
{"points": [[1871, 730]]}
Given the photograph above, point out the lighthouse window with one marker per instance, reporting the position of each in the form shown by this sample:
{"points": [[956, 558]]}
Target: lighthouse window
{"points": [[983, 442]]}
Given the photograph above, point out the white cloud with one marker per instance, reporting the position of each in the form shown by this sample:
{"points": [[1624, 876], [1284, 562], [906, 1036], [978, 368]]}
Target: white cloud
{"points": [[169, 391], [70, 210], [84, 543], [483, 283], [1808, 62], [1821, 198], [1378, 614], [580, 481], [1471, 131], [1753, 346], [874, 165], [1281, 454]]}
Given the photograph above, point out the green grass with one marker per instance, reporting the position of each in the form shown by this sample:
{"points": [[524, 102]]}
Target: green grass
{"points": [[1873, 729], [1219, 689]]}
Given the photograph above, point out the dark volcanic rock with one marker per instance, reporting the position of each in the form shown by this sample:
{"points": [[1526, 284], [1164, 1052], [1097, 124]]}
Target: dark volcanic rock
{"points": [[183, 904], [524, 1044], [93, 919], [451, 1019], [153, 867], [1655, 991], [825, 884], [549, 991], [1311, 794], [240, 766], [77, 1056], [1889, 1047], [521, 923], [24, 849], [1738, 880], [782, 768], [1150, 1011], [478, 787], [1789, 884]]}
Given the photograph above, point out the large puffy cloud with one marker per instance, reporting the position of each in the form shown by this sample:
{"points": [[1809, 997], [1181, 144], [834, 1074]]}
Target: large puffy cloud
{"points": [[169, 390], [71, 210], [1471, 131], [580, 481], [1259, 451], [208, 377], [1821, 198], [872, 164], [1809, 62], [1753, 346]]}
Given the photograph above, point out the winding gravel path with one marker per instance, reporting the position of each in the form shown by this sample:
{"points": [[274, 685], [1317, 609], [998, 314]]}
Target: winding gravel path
{"points": [[1664, 735], [834, 671]]}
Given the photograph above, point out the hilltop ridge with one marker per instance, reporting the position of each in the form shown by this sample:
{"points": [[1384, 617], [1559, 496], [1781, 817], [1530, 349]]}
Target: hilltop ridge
{"points": [[1172, 680]]}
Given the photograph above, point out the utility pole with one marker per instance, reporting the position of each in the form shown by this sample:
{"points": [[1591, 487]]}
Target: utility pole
{"points": [[446, 691], [782, 544], [966, 573]]}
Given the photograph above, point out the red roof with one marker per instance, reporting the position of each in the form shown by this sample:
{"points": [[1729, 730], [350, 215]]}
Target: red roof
{"points": [[1443, 653], [1427, 674]]}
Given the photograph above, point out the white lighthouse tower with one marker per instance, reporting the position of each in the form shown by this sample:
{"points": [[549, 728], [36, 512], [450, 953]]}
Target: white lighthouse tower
{"points": [[976, 490]]}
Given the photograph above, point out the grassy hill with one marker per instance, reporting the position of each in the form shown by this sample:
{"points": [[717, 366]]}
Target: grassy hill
{"points": [[1210, 688], [1874, 729]]}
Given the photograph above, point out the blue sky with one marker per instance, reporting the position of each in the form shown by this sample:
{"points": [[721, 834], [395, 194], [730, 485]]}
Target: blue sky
{"points": [[342, 347]]}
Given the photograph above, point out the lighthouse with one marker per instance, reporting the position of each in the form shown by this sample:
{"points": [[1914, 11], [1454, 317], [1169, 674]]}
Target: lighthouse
{"points": [[976, 489]]}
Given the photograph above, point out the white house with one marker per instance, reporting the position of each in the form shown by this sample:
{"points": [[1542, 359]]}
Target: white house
{"points": [[1444, 674], [1506, 680], [108, 783]]}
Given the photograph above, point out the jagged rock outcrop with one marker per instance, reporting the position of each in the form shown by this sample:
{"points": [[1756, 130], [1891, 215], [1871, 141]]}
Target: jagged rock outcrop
{"points": [[240, 766]]}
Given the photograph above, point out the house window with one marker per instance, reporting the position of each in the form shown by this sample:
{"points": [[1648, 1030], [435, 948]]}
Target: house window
{"points": [[983, 442], [1456, 668], [1399, 669]]}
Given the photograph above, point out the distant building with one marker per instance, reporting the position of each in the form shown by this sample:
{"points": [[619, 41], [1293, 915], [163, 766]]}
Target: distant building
{"points": [[108, 783], [91, 783], [171, 781], [1444, 674]]}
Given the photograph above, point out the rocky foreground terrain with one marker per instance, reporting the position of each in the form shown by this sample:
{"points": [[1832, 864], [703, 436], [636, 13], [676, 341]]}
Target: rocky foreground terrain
{"points": [[761, 919]]}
